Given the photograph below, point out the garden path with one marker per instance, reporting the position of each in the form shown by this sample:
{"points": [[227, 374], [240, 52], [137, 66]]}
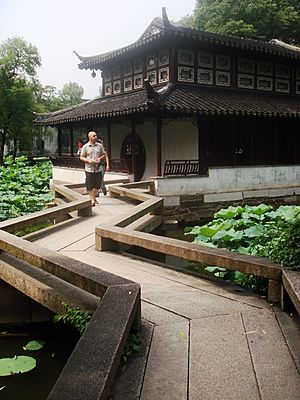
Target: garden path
{"points": [[202, 340]]}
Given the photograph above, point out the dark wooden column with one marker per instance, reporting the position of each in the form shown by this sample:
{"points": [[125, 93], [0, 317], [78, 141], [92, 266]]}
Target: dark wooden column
{"points": [[71, 141], [158, 144], [133, 159], [59, 140], [108, 147], [202, 146]]}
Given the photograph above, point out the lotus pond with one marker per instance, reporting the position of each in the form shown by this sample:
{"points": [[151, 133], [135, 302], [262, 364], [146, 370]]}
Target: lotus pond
{"points": [[32, 360]]}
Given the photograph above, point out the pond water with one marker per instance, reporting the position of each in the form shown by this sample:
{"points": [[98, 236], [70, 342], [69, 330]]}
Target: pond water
{"points": [[50, 360]]}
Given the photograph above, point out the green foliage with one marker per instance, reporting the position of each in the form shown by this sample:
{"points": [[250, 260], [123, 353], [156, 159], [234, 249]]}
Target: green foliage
{"points": [[23, 188], [259, 19], [71, 94], [133, 345], [19, 61], [281, 244], [16, 365], [34, 345], [74, 317], [256, 230]]}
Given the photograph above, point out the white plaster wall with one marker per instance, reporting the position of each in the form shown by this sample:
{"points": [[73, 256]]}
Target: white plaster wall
{"points": [[179, 141], [222, 180], [118, 134]]}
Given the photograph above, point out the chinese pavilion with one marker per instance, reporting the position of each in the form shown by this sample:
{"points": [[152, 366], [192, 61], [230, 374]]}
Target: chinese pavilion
{"points": [[192, 104]]}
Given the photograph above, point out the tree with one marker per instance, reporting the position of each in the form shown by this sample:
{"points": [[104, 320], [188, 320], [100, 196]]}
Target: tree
{"points": [[71, 94], [258, 19], [19, 61]]}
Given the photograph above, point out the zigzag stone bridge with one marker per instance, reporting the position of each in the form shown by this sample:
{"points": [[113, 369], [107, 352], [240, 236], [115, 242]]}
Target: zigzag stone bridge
{"points": [[202, 340]]}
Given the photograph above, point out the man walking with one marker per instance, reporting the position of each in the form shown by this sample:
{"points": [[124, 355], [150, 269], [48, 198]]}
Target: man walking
{"points": [[92, 153]]}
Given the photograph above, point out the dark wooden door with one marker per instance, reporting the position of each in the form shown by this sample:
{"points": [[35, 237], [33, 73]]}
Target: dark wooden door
{"points": [[135, 162]]}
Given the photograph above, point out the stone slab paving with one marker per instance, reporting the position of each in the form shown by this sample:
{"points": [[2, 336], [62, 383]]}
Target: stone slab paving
{"points": [[276, 372], [202, 340], [221, 366], [167, 367]]}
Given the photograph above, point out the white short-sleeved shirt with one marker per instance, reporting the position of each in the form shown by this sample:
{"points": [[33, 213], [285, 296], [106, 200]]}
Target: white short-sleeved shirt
{"points": [[92, 152]]}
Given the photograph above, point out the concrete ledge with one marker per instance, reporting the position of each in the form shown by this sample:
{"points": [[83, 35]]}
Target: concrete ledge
{"points": [[50, 278], [219, 197], [44, 288], [258, 266], [89, 372], [55, 213]]}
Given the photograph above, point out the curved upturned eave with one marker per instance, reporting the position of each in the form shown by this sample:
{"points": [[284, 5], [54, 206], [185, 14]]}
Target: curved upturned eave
{"points": [[95, 62]]}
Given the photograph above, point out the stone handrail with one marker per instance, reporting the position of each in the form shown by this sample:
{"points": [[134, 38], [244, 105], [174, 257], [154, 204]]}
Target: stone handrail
{"points": [[108, 237]]}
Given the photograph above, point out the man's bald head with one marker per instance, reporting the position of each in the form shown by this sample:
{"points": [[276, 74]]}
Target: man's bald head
{"points": [[92, 135]]}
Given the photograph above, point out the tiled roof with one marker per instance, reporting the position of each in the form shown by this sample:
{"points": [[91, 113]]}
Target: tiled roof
{"points": [[227, 101], [181, 99], [160, 28], [100, 108]]}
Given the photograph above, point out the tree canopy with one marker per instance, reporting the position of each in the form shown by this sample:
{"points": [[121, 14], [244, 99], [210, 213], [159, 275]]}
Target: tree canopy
{"points": [[21, 93], [19, 61], [258, 19]]}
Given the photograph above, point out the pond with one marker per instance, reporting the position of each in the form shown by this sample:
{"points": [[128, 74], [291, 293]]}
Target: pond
{"points": [[50, 360]]}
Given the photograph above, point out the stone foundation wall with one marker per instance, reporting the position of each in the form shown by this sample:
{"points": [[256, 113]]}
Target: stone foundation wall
{"points": [[203, 207]]}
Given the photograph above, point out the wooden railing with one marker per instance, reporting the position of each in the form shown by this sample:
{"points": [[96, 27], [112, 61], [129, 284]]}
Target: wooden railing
{"points": [[184, 167], [116, 164]]}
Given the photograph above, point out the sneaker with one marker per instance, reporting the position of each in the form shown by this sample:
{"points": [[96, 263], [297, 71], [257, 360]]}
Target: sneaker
{"points": [[104, 190]]}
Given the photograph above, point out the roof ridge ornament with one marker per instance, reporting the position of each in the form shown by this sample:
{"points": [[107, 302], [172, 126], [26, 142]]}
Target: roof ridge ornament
{"points": [[80, 57], [151, 93], [284, 44], [166, 21]]}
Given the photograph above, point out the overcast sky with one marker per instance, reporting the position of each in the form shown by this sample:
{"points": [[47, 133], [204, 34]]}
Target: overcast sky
{"points": [[57, 27]]}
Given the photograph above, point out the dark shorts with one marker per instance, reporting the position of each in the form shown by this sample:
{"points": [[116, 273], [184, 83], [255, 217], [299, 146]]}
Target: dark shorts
{"points": [[93, 180]]}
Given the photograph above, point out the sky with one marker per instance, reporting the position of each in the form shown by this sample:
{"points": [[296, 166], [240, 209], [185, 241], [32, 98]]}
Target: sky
{"points": [[90, 27]]}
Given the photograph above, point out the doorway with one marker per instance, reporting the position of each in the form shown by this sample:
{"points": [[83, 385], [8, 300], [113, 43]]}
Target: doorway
{"points": [[135, 162]]}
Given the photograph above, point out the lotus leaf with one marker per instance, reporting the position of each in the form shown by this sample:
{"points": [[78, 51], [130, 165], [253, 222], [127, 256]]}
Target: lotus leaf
{"points": [[16, 365], [34, 345]]}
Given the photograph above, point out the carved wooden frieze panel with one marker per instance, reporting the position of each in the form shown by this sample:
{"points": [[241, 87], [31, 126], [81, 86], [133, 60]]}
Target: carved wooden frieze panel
{"points": [[107, 89], [265, 83], [107, 75], [163, 75], [127, 84], [245, 81], [223, 62], [282, 86], [127, 68], [151, 76], [138, 81], [282, 71], [116, 72], [185, 74], [117, 87], [138, 66], [151, 61], [205, 76], [264, 68], [163, 57], [185, 57], [223, 78], [205, 60], [246, 66]]}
